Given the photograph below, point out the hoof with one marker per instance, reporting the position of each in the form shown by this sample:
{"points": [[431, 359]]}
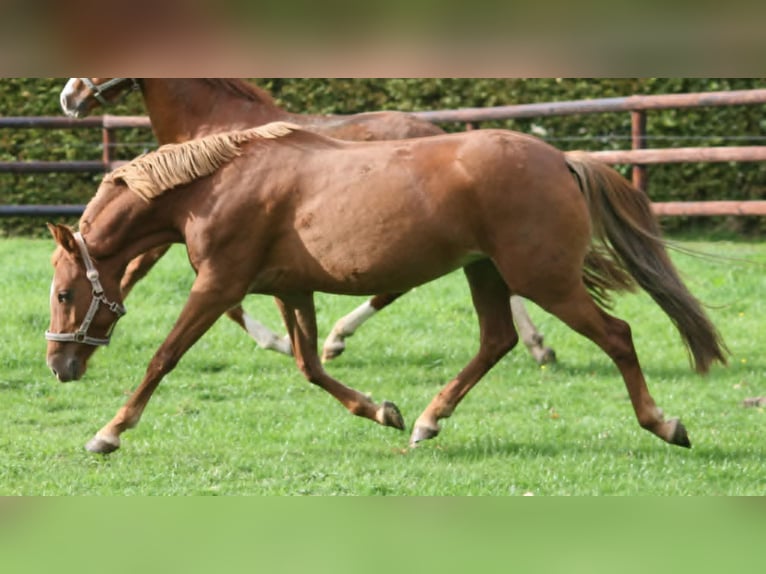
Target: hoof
{"points": [[679, 437], [101, 445], [546, 356], [754, 402], [421, 433], [390, 415], [330, 353], [281, 345]]}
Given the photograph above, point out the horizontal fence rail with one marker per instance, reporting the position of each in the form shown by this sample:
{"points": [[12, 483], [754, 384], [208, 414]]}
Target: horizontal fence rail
{"points": [[57, 166], [683, 155], [638, 156], [599, 105], [64, 210], [61, 122], [700, 208]]}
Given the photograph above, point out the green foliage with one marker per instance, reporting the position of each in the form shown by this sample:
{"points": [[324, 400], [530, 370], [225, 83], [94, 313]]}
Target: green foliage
{"points": [[740, 125], [235, 420], [40, 97]]}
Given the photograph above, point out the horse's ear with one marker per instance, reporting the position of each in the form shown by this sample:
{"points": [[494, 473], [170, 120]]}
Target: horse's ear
{"points": [[64, 237]]}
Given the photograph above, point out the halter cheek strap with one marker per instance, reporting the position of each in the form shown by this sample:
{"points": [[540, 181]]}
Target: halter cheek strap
{"points": [[81, 335], [99, 89]]}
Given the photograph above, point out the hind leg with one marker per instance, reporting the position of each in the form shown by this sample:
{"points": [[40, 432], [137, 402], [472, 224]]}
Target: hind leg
{"points": [[578, 310], [300, 319], [498, 336], [347, 325]]}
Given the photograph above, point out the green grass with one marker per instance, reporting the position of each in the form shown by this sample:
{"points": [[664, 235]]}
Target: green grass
{"points": [[233, 419]]}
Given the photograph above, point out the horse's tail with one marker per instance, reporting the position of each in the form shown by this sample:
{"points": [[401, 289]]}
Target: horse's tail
{"points": [[628, 249]]}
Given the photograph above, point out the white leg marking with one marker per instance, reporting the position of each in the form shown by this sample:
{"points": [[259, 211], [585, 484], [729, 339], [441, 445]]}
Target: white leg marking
{"points": [[350, 323], [345, 327], [266, 338], [532, 339]]}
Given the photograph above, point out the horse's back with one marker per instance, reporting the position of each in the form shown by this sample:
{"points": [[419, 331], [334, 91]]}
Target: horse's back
{"points": [[516, 169], [370, 126]]}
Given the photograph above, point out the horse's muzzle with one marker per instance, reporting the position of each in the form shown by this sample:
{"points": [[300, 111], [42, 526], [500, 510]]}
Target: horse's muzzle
{"points": [[66, 369], [71, 108]]}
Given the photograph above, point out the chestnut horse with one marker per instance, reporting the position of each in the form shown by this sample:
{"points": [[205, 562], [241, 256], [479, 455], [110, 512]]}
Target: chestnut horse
{"points": [[181, 109], [282, 211]]}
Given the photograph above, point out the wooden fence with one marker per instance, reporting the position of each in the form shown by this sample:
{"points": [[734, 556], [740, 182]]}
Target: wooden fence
{"points": [[638, 156]]}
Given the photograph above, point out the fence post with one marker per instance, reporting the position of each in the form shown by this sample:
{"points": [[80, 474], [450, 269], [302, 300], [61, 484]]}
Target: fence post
{"points": [[638, 141], [106, 152]]}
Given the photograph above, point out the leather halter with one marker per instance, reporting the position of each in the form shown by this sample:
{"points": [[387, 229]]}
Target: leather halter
{"points": [[81, 335], [99, 89]]}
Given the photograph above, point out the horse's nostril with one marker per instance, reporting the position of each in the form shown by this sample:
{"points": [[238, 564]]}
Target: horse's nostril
{"points": [[65, 371]]}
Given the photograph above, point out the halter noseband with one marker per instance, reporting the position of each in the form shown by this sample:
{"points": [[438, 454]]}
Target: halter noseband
{"points": [[81, 335], [99, 89]]}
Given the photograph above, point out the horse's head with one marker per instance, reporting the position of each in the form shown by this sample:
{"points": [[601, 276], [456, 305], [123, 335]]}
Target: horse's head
{"points": [[82, 314], [81, 95]]}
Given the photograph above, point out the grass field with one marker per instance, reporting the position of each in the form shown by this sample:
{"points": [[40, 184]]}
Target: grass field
{"points": [[233, 419]]}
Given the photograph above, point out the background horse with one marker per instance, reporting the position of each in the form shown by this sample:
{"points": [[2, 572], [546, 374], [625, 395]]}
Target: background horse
{"points": [[183, 109], [281, 216]]}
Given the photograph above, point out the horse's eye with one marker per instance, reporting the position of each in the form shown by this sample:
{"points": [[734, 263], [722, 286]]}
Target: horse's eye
{"points": [[64, 296]]}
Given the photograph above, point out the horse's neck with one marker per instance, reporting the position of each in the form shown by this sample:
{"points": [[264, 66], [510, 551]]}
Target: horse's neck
{"points": [[123, 227], [184, 109]]}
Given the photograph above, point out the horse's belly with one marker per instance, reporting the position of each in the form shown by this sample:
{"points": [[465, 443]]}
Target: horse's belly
{"points": [[359, 266], [369, 240]]}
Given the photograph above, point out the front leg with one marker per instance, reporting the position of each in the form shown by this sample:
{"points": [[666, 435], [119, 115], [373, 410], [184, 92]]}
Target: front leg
{"points": [[139, 267], [533, 339], [300, 319], [262, 335], [202, 309], [497, 336]]}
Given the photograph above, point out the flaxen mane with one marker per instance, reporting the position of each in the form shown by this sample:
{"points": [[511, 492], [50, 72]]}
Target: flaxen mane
{"points": [[176, 164]]}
